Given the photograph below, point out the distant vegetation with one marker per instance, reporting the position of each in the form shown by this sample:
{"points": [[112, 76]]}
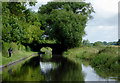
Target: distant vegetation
{"points": [[118, 43], [99, 43]]}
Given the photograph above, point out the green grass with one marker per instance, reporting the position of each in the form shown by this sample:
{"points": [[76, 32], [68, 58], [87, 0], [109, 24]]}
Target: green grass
{"points": [[19, 51], [107, 58], [100, 57], [86, 53], [20, 72], [15, 56]]}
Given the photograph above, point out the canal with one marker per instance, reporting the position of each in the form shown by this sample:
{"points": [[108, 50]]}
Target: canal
{"points": [[57, 69]]}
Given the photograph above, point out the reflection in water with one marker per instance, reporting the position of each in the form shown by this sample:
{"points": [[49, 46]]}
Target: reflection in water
{"points": [[47, 66], [10, 71], [28, 71], [54, 70], [90, 74], [107, 74], [62, 71]]}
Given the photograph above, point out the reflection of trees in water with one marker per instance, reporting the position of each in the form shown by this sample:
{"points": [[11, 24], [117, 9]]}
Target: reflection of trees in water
{"points": [[29, 71], [67, 71], [104, 73], [33, 62]]}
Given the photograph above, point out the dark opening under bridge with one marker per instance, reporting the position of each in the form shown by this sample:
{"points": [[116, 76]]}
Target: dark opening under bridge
{"points": [[56, 48]]}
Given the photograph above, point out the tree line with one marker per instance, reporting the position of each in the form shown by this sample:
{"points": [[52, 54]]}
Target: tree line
{"points": [[99, 43], [20, 24], [61, 22]]}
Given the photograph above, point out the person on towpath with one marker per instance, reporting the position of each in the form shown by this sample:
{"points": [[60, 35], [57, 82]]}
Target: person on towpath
{"points": [[10, 51]]}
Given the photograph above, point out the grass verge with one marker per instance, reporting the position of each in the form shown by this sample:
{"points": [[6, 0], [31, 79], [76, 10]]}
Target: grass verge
{"points": [[19, 51], [15, 56], [100, 57], [107, 59], [86, 53]]}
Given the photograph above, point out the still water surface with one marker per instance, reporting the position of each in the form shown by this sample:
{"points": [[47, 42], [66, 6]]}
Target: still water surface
{"points": [[58, 69]]}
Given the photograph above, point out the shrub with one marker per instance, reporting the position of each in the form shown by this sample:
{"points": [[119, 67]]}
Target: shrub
{"points": [[28, 48], [98, 43], [43, 49], [47, 50], [66, 53], [48, 53], [115, 66], [23, 48], [107, 58], [14, 47], [6, 46]]}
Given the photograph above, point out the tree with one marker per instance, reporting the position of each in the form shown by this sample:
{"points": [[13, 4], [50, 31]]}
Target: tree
{"points": [[98, 43], [105, 43], [86, 43], [20, 24], [118, 43], [66, 21]]}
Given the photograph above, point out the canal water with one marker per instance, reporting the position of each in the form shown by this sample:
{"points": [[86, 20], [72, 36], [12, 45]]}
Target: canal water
{"points": [[57, 69]]}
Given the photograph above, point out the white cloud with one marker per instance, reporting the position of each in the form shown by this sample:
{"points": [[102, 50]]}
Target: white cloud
{"points": [[105, 8], [101, 33], [104, 26]]}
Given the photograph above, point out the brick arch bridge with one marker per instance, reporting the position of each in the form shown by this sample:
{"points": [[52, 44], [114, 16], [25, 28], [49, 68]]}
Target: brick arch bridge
{"points": [[57, 48]]}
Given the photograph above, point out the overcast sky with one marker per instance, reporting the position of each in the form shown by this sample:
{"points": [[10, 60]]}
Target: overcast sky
{"points": [[104, 26]]}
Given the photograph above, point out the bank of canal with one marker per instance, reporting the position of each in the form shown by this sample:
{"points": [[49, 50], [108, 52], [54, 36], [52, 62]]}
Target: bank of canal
{"points": [[16, 61]]}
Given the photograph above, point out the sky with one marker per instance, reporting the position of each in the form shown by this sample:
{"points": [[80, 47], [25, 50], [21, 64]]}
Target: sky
{"points": [[104, 25]]}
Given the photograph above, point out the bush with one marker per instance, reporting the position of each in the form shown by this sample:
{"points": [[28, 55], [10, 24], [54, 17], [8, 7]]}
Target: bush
{"points": [[65, 53], [23, 48], [43, 49], [98, 43], [107, 58], [28, 48], [15, 48], [6, 46], [48, 52], [115, 66], [46, 49], [100, 60]]}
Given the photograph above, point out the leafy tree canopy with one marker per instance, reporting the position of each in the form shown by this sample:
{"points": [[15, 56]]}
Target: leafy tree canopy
{"points": [[20, 24], [66, 21], [86, 43], [98, 43]]}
